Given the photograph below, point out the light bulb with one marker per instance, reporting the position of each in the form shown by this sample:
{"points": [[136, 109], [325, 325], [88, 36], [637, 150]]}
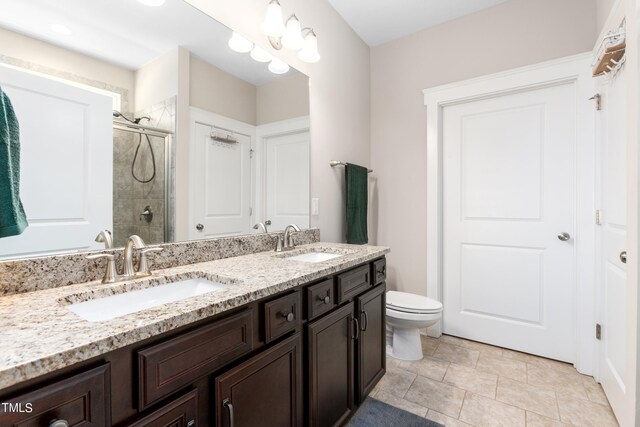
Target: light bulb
{"points": [[260, 54], [309, 52], [292, 38], [272, 25], [277, 66], [239, 44]]}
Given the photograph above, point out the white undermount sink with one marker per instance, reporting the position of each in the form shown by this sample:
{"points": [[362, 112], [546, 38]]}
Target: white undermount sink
{"points": [[107, 308], [315, 257]]}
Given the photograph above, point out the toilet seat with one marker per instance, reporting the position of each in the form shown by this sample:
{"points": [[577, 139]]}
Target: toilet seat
{"points": [[410, 303]]}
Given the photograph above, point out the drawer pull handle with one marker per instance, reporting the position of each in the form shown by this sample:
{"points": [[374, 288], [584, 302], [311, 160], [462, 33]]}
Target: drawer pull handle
{"points": [[357, 335], [326, 299], [227, 404], [289, 317], [58, 423], [365, 321], [191, 423]]}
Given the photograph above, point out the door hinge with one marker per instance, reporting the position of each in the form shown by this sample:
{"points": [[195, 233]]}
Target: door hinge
{"points": [[598, 331], [598, 217], [598, 98], [251, 151]]}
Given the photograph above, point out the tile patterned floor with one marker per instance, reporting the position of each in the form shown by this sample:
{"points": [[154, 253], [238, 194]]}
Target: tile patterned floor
{"points": [[466, 383]]}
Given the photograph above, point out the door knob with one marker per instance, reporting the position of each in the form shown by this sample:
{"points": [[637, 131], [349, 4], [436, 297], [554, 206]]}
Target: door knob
{"points": [[199, 227], [564, 236], [623, 257]]}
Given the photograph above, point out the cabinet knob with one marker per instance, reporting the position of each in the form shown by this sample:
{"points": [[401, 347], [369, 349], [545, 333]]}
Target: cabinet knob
{"points": [[58, 423], [199, 227], [623, 257], [289, 317], [326, 299]]}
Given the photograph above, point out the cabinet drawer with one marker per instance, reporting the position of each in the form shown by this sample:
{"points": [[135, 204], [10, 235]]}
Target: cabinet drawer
{"points": [[182, 412], [166, 367], [353, 282], [379, 272], [83, 399], [281, 316], [320, 298]]}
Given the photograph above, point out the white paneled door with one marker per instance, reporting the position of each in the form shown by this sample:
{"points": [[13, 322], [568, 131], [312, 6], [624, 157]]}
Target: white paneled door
{"points": [[509, 220], [287, 180], [220, 180], [615, 317], [66, 164]]}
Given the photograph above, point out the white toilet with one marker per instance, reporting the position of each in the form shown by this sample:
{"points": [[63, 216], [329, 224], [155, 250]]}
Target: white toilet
{"points": [[406, 315]]}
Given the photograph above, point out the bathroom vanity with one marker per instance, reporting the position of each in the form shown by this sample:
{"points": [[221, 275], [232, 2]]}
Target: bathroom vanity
{"points": [[287, 342]]}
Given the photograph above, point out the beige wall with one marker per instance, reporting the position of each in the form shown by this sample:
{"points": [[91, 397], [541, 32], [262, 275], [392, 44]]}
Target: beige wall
{"points": [[216, 91], [489, 41], [157, 80], [339, 95], [282, 99], [63, 63], [603, 9]]}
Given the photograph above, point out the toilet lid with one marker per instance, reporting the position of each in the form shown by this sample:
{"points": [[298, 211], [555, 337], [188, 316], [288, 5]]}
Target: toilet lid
{"points": [[412, 303]]}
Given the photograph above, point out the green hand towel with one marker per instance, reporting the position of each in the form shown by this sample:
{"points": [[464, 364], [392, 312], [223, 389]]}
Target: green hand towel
{"points": [[12, 218], [356, 178]]}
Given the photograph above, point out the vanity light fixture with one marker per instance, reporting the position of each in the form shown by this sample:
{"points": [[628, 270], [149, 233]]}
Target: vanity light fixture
{"points": [[309, 52], [239, 44], [277, 66], [291, 35], [260, 55], [272, 25], [61, 29], [292, 38], [152, 3]]}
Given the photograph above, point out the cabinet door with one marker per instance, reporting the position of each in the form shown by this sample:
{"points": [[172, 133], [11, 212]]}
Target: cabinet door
{"points": [[181, 412], [264, 391], [331, 367], [371, 353]]}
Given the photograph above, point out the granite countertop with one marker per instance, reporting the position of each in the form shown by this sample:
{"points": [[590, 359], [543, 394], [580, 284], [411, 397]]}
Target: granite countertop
{"points": [[38, 334]]}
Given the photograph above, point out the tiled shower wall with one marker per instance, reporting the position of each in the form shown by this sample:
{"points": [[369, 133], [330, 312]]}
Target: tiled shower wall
{"points": [[130, 197]]}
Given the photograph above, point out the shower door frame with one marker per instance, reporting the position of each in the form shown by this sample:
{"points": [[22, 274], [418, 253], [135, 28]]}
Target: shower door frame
{"points": [[169, 211]]}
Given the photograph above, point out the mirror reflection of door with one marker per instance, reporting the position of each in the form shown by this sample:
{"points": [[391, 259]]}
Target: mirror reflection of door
{"points": [[287, 180], [141, 80]]}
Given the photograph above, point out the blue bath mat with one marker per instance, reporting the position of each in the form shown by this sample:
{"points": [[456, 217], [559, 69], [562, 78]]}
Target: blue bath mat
{"points": [[374, 413]]}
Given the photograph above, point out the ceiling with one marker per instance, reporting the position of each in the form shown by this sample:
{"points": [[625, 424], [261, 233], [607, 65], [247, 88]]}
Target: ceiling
{"points": [[129, 34], [380, 21]]}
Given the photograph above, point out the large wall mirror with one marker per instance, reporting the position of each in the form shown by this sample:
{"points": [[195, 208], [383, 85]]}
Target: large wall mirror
{"points": [[142, 120]]}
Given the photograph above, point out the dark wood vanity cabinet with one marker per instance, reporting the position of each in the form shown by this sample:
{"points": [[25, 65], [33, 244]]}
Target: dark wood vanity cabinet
{"points": [[306, 356], [264, 391], [371, 349], [79, 400], [181, 412], [331, 358]]}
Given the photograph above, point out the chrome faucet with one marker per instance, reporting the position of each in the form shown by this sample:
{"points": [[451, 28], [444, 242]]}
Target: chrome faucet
{"points": [[105, 237], [288, 236], [263, 225], [128, 271], [143, 265]]}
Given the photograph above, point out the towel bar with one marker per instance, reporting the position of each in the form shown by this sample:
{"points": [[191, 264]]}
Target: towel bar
{"points": [[335, 163]]}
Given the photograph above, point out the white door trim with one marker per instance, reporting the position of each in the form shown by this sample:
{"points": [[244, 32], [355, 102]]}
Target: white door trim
{"points": [[264, 132], [576, 70]]}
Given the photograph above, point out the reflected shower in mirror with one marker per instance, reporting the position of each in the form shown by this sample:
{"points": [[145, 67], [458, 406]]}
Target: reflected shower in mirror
{"points": [[141, 120]]}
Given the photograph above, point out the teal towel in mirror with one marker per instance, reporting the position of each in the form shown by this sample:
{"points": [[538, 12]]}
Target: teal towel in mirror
{"points": [[12, 218], [356, 178]]}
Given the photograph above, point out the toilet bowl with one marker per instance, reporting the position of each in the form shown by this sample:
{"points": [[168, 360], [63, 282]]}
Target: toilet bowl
{"points": [[406, 315]]}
